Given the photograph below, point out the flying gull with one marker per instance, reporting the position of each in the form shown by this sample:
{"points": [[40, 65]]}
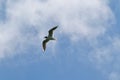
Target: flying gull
{"points": [[49, 37]]}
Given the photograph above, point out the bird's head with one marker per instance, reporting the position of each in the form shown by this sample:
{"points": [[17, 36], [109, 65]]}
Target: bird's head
{"points": [[45, 37]]}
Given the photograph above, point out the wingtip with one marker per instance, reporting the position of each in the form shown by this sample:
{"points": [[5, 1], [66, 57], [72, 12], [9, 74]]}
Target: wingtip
{"points": [[57, 26], [43, 51]]}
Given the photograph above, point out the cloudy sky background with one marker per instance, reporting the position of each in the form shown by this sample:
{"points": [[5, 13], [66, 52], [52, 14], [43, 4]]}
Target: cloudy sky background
{"points": [[87, 46]]}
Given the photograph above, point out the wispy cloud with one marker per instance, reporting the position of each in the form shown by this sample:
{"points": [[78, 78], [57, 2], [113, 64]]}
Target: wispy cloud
{"points": [[114, 76], [106, 58]]}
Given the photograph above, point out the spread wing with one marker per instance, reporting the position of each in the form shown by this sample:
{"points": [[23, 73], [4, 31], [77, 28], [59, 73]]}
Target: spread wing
{"points": [[44, 44], [51, 31]]}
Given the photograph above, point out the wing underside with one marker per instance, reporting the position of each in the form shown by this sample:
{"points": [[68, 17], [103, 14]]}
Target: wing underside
{"points": [[44, 44], [51, 31]]}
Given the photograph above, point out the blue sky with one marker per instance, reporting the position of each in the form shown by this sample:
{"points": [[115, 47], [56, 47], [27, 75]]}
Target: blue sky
{"points": [[87, 45]]}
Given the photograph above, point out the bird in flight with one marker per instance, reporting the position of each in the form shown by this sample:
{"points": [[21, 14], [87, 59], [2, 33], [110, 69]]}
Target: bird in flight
{"points": [[48, 38]]}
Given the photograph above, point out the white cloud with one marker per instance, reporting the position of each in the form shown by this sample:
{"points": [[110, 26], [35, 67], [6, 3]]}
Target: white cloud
{"points": [[77, 18], [83, 18]]}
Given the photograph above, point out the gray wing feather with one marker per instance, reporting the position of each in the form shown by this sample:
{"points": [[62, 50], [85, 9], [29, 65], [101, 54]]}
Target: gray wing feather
{"points": [[51, 31], [44, 44]]}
